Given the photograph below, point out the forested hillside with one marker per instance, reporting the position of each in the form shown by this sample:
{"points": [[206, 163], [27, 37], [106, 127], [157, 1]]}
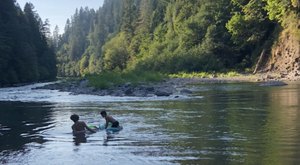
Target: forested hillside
{"points": [[25, 55], [174, 35]]}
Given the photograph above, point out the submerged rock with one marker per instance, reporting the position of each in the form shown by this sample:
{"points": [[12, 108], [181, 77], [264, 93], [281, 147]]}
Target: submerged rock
{"points": [[186, 91], [162, 93], [273, 83]]}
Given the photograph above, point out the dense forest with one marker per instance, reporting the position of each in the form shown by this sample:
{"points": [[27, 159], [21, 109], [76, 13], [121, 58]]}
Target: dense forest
{"points": [[25, 55], [167, 36], [172, 35]]}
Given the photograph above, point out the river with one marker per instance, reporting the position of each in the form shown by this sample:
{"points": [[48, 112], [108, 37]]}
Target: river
{"points": [[235, 123]]}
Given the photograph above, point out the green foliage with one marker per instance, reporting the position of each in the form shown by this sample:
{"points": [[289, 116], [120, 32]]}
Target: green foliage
{"points": [[74, 50], [228, 74], [236, 26], [250, 29], [25, 55], [287, 13], [171, 36], [277, 9], [115, 53], [106, 80], [204, 75], [191, 75]]}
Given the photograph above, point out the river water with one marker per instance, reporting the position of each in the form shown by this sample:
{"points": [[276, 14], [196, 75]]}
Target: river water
{"points": [[230, 124]]}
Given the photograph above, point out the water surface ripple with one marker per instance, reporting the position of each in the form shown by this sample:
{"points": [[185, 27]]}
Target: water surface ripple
{"points": [[220, 124]]}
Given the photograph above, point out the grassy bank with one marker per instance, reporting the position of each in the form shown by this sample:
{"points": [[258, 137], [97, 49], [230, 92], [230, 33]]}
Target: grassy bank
{"points": [[204, 75], [109, 79]]}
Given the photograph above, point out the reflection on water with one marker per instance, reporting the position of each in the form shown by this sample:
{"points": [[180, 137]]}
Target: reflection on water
{"points": [[231, 124], [20, 125], [79, 139]]}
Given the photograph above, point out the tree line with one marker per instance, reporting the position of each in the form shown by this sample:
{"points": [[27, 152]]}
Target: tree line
{"points": [[171, 35], [167, 36], [25, 51]]}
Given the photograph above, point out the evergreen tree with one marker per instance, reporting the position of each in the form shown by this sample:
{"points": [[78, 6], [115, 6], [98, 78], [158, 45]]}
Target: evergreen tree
{"points": [[23, 46], [170, 35]]}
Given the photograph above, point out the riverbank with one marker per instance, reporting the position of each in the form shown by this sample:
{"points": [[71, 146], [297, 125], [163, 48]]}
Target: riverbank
{"points": [[167, 87]]}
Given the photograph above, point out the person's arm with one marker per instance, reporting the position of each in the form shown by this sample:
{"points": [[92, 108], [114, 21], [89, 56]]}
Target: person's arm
{"points": [[106, 124], [88, 128], [73, 129]]}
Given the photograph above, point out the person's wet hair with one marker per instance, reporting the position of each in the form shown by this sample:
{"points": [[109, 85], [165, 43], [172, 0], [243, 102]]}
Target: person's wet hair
{"points": [[103, 113], [74, 117]]}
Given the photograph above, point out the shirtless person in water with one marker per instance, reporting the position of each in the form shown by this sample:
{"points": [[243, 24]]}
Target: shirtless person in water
{"points": [[109, 119], [79, 127]]}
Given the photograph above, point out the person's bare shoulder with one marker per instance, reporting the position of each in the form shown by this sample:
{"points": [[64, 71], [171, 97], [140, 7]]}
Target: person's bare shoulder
{"points": [[108, 118], [82, 123]]}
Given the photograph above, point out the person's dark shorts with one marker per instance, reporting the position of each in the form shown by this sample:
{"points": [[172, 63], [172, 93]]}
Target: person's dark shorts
{"points": [[115, 124]]}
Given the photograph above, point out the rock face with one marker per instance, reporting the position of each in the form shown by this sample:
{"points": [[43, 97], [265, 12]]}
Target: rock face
{"points": [[285, 57]]}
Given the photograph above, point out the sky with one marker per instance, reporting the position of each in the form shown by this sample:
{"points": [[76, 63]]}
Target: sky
{"points": [[58, 11]]}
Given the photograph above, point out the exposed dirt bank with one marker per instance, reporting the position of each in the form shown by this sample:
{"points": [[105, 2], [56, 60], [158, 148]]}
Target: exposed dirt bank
{"points": [[284, 58]]}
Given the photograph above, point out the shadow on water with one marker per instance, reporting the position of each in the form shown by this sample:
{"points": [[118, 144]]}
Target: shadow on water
{"points": [[78, 139], [21, 124], [111, 138]]}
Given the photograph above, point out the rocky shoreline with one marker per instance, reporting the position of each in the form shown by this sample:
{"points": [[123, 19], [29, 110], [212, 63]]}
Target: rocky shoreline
{"points": [[173, 86], [165, 88]]}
